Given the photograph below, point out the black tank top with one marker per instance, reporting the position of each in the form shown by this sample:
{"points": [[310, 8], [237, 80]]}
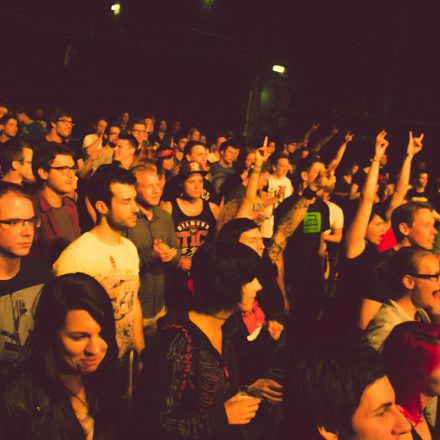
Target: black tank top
{"points": [[193, 231]]}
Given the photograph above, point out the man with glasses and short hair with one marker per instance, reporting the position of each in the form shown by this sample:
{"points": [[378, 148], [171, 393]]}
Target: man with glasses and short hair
{"points": [[55, 171], [61, 124], [21, 275], [16, 162]]}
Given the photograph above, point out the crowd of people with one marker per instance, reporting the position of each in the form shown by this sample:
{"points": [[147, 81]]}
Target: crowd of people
{"points": [[157, 282]]}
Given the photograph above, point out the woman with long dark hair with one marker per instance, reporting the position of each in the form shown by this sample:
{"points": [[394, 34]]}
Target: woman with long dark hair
{"points": [[67, 387]]}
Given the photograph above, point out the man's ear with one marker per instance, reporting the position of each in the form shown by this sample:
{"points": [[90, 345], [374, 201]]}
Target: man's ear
{"points": [[15, 165], [404, 229], [101, 207], [53, 124], [44, 175], [408, 282], [327, 434], [304, 176]]}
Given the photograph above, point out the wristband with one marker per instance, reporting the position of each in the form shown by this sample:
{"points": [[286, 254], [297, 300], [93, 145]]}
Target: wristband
{"points": [[375, 160], [256, 169], [309, 194]]}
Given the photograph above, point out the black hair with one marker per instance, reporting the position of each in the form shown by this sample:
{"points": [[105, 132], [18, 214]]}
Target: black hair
{"points": [[42, 360], [232, 230], [137, 121], [6, 118], [405, 261], [130, 138], [277, 156], [379, 210], [326, 386], [100, 182], [219, 271], [307, 163], [190, 145], [46, 154], [233, 143], [56, 115], [405, 214], [11, 150]]}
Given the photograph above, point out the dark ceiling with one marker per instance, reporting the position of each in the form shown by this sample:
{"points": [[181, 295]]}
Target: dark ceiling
{"points": [[182, 57]]}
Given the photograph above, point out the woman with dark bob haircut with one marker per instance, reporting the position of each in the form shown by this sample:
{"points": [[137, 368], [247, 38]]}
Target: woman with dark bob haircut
{"points": [[66, 387], [412, 356], [187, 388]]}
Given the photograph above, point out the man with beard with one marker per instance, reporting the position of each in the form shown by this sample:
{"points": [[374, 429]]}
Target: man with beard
{"points": [[156, 243], [194, 152], [107, 256]]}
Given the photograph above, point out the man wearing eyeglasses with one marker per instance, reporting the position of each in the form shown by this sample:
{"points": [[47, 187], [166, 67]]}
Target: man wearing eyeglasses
{"points": [[61, 125], [55, 171], [16, 162], [21, 275]]}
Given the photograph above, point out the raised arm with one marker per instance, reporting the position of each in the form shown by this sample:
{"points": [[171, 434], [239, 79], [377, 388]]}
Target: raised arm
{"points": [[355, 237], [415, 145], [341, 150], [324, 140], [304, 141], [247, 205]]}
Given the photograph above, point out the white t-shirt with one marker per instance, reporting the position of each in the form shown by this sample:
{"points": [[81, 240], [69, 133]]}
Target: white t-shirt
{"points": [[273, 187], [336, 216], [117, 269]]}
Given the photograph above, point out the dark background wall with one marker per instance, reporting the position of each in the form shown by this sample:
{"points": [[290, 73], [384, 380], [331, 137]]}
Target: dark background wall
{"points": [[363, 66]]}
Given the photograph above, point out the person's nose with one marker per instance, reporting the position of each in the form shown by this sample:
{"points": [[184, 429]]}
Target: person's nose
{"points": [[93, 347], [27, 229], [401, 423], [134, 207]]}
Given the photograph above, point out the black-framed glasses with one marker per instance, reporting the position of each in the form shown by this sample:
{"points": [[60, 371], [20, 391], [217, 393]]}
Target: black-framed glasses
{"points": [[426, 276], [20, 222], [65, 170], [67, 121], [25, 161]]}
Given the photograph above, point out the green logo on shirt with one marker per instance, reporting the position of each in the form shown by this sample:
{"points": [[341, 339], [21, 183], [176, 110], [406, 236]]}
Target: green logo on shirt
{"points": [[312, 223]]}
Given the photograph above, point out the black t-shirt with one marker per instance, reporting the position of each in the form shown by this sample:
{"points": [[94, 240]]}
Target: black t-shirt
{"points": [[269, 297], [301, 258], [426, 196], [18, 298], [172, 190]]}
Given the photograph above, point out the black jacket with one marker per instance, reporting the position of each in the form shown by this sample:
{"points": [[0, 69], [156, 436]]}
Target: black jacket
{"points": [[25, 414], [183, 386]]}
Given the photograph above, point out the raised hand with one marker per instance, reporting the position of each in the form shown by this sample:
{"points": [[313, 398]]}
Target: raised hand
{"points": [[414, 144], [348, 137], [314, 126], [381, 145], [263, 153]]}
